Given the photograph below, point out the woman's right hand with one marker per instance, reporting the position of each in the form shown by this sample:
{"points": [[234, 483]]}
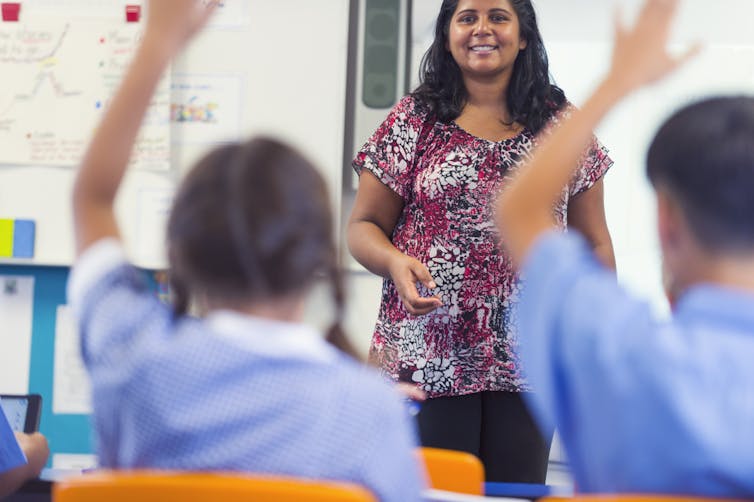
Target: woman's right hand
{"points": [[406, 271]]}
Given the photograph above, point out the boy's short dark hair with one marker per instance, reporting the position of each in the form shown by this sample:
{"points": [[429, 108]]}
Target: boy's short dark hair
{"points": [[704, 157]]}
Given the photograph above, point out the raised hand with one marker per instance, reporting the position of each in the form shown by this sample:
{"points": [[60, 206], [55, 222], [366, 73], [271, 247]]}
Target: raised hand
{"points": [[174, 22], [406, 272], [170, 24], [640, 54]]}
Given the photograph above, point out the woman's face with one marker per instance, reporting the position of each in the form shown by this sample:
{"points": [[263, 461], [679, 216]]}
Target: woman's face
{"points": [[484, 38]]}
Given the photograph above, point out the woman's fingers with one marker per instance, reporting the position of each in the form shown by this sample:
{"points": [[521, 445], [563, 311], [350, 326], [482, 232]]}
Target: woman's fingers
{"points": [[422, 274], [405, 278], [415, 303]]}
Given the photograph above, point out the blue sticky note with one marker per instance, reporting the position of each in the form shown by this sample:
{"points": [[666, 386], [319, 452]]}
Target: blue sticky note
{"points": [[23, 238]]}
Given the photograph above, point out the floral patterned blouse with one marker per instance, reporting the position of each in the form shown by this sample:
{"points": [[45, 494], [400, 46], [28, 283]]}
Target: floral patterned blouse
{"points": [[448, 180]]}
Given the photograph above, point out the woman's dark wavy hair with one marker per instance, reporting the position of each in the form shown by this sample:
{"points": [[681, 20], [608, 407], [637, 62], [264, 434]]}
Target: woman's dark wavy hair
{"points": [[532, 98], [252, 221]]}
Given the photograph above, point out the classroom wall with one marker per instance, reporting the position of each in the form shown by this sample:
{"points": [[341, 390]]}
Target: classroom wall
{"points": [[292, 64], [284, 65], [65, 433]]}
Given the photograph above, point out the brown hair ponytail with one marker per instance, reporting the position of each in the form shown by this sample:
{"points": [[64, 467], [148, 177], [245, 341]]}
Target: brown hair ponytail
{"points": [[336, 335], [253, 221]]}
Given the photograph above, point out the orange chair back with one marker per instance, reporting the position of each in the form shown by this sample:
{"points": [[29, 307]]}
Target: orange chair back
{"points": [[619, 497], [453, 471], [155, 486]]}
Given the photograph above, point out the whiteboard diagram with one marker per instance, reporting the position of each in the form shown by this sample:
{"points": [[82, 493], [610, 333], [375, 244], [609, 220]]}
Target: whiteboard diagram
{"points": [[65, 72]]}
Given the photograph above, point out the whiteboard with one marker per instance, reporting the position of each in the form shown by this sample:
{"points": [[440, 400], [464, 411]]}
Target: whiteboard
{"points": [[60, 76], [241, 76]]}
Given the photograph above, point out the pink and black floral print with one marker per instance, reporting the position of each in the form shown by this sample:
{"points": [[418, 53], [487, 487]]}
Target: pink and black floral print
{"points": [[448, 180]]}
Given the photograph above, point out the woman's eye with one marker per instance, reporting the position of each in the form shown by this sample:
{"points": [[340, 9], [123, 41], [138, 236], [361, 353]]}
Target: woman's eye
{"points": [[467, 19], [498, 19]]}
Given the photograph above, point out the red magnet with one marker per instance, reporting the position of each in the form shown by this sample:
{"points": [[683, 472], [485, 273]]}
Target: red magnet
{"points": [[10, 10], [133, 13]]}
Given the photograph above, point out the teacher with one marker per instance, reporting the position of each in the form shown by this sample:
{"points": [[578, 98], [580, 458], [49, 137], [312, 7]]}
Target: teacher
{"points": [[422, 219]]}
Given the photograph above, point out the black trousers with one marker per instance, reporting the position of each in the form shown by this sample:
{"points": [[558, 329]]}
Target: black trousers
{"points": [[494, 426]]}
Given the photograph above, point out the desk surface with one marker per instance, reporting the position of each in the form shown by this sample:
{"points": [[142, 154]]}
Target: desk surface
{"points": [[443, 496], [525, 490]]}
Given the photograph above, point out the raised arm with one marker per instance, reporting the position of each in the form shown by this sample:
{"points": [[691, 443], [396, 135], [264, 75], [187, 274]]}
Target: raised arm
{"points": [[639, 57], [170, 24]]}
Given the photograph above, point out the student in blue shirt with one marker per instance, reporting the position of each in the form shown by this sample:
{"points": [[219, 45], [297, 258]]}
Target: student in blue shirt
{"points": [[22, 457], [645, 405], [249, 387]]}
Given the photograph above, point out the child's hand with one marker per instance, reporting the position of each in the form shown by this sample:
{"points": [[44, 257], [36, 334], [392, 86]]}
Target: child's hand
{"points": [[172, 23], [640, 53], [411, 391]]}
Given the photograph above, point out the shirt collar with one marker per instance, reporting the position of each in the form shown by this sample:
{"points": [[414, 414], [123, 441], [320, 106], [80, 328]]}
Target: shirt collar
{"points": [[712, 301], [271, 338]]}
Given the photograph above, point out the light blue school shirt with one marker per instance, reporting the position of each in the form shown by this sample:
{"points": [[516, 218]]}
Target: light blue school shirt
{"points": [[11, 455], [232, 392], [642, 405]]}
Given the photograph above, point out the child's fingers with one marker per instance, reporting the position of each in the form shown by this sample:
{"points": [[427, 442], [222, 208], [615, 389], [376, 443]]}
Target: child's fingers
{"points": [[619, 23], [207, 11], [659, 11], [691, 53]]}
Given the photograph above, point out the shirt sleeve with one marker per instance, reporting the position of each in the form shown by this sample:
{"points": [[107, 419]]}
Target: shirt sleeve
{"points": [[122, 325], [593, 165], [390, 153], [11, 455], [115, 310], [582, 338]]}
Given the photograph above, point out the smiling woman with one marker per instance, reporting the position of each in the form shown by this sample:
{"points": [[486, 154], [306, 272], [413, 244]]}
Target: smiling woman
{"points": [[422, 219], [485, 43]]}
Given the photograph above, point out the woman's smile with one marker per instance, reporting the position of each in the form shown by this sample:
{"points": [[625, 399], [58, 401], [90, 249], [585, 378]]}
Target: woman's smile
{"points": [[484, 37]]}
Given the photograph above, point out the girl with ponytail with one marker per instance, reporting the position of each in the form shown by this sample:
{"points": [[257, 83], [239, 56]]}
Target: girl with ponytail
{"points": [[248, 387]]}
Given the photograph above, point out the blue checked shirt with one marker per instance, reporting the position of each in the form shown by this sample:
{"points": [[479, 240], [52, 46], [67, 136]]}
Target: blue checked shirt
{"points": [[11, 455], [231, 392], [642, 405]]}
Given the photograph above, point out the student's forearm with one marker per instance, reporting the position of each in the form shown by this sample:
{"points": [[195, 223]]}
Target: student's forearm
{"points": [[36, 451], [105, 161], [10, 481], [371, 247], [525, 209]]}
